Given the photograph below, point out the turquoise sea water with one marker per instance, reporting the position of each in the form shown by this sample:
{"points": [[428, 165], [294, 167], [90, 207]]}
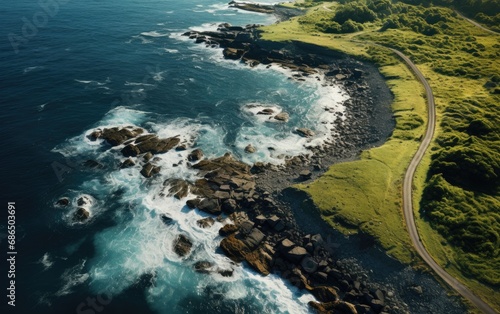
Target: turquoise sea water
{"points": [[72, 66]]}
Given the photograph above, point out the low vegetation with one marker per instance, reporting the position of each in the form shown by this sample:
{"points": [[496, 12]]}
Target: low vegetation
{"points": [[458, 185]]}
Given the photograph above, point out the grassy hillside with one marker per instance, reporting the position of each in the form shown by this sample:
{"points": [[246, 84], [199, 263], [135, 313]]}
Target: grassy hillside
{"points": [[457, 187]]}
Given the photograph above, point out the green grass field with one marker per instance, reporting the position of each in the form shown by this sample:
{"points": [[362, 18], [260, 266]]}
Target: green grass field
{"points": [[461, 63]]}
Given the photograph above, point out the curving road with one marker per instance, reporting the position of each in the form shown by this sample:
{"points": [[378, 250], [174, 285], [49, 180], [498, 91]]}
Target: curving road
{"points": [[407, 196], [476, 23]]}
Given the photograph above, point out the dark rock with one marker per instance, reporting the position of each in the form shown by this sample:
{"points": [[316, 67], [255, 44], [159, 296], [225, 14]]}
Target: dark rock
{"points": [[202, 267], [63, 202], [155, 145], [260, 260], [325, 294], [246, 227], [377, 305], [234, 248], [193, 203], [147, 157], [178, 188], [282, 116], [305, 132], [206, 222], [232, 53], [254, 238], [226, 272], [258, 167], [229, 206], [210, 206], [379, 295], [195, 155], [130, 151], [84, 200], [166, 220], [228, 229], [250, 149], [149, 170], [305, 174], [321, 277], [296, 254], [116, 136], [127, 163], [81, 214], [182, 245], [266, 111], [286, 245]]}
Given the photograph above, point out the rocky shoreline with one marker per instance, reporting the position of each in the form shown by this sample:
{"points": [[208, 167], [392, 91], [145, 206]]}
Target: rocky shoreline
{"points": [[260, 229]]}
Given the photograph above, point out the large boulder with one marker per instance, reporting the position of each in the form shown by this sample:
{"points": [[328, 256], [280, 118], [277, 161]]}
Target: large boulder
{"points": [[233, 53], [254, 238], [149, 170], [195, 155], [117, 135], [325, 294], [182, 245], [296, 254], [156, 145], [234, 248], [282, 116], [210, 206], [228, 229], [63, 202], [205, 222], [177, 187], [260, 260], [81, 214], [304, 132]]}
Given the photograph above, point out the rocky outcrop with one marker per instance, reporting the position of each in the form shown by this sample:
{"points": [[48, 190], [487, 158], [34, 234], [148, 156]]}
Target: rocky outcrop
{"points": [[250, 149], [182, 245], [149, 170], [63, 202], [195, 155], [282, 116], [304, 132], [81, 214], [177, 188], [150, 144], [205, 222], [116, 136]]}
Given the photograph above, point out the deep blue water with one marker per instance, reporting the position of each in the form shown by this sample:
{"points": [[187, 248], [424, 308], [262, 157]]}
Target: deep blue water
{"points": [[110, 62]]}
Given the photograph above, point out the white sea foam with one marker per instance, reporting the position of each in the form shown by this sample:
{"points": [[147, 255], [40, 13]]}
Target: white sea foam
{"points": [[72, 277], [34, 68], [171, 50], [46, 261], [154, 34]]}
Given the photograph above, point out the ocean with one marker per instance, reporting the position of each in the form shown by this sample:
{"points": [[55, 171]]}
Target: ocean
{"points": [[69, 67]]}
